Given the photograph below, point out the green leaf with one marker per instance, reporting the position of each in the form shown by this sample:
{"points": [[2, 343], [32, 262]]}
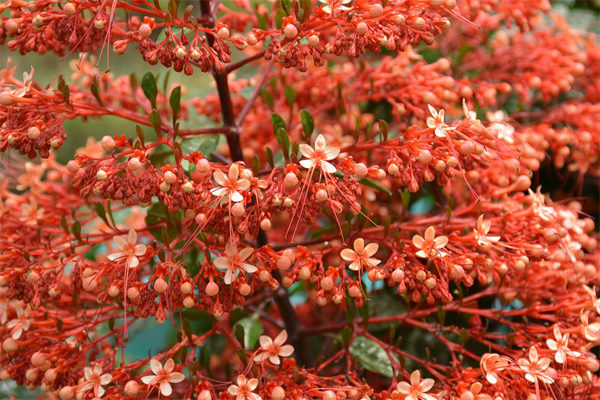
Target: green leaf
{"points": [[176, 31], [175, 102], [290, 94], [375, 185], [277, 122], [284, 142], [76, 230], [203, 144], [385, 128], [308, 123], [149, 88], [255, 165], [285, 4], [371, 356], [279, 15], [269, 157], [101, 212], [441, 313], [156, 122], [252, 329], [96, 92], [267, 98]]}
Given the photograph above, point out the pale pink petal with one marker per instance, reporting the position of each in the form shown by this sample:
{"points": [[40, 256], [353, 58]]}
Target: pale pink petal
{"points": [[222, 262], [249, 267], [252, 383], [245, 253], [88, 374], [98, 391], [175, 377], [286, 350], [105, 379], [370, 249], [165, 388], [331, 153], [348, 255], [241, 380], [359, 245], [155, 366], [132, 262], [220, 178], [307, 151], [426, 385], [404, 387], [328, 167], [169, 365], [139, 250], [308, 164], [242, 184], [415, 378], [219, 191], [281, 338], [320, 144], [275, 360], [432, 110], [265, 341], [147, 379], [233, 390], [228, 277], [440, 242], [355, 266], [132, 237], [97, 369], [430, 234], [120, 242], [418, 241], [236, 196], [234, 173]]}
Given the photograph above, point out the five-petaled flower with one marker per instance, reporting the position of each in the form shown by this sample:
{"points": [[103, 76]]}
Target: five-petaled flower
{"points": [[473, 393], [429, 243], [163, 376], [234, 260], [483, 228], [21, 323], [534, 367], [331, 5], [273, 349], [244, 388], [417, 388], [361, 256], [560, 345], [94, 379], [129, 248], [491, 364], [320, 156], [230, 185], [590, 331], [30, 213], [436, 121]]}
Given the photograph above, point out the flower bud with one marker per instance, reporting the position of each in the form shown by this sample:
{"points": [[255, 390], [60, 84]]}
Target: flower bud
{"points": [[101, 175], [238, 210], [72, 166], [99, 24], [6, 98], [245, 289], [278, 393], [361, 170], [50, 375], [393, 169], [180, 52], [188, 187], [32, 374], [164, 186], [288, 202], [313, 41], [132, 388], [38, 359], [205, 395], [200, 218], [203, 166], [421, 275], [160, 285], [376, 10], [321, 195], [145, 30], [290, 31], [67, 393], [223, 33], [212, 289], [362, 28], [290, 180], [425, 156], [304, 273], [114, 291], [430, 283], [170, 177], [33, 133], [189, 302], [195, 55], [327, 283], [186, 288], [398, 275], [265, 224], [283, 263], [133, 293], [69, 9], [329, 395], [354, 291], [108, 143], [89, 284]]}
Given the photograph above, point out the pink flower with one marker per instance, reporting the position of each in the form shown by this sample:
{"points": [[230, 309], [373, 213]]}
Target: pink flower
{"points": [[319, 156], [481, 232], [21, 323], [163, 376], [331, 5], [27, 80], [94, 380], [534, 367], [473, 393], [230, 185], [232, 261], [430, 243], [129, 249], [273, 349], [491, 364], [560, 345], [436, 121], [361, 256], [417, 388], [244, 388], [590, 331]]}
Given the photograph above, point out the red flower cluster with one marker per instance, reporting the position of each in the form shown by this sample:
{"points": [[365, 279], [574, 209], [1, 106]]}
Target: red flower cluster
{"points": [[366, 225]]}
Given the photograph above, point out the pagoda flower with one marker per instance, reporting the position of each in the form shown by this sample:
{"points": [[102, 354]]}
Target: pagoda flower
{"points": [[256, 185], [94, 379], [361, 256], [473, 393], [472, 115], [320, 156], [505, 131], [429, 243], [483, 228], [436, 121], [21, 323], [244, 389], [590, 331], [273, 349], [595, 299], [30, 213], [560, 345], [234, 260], [163, 376], [539, 206], [331, 5], [417, 388], [491, 364], [27, 80], [534, 367], [230, 185], [129, 249]]}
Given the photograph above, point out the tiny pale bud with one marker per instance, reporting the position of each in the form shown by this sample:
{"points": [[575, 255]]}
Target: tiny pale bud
{"points": [[180, 52], [72, 166], [304, 273], [290, 180], [170, 177], [164, 187], [265, 224], [188, 302], [313, 41], [33, 133], [361, 170], [321, 195], [278, 393], [203, 166], [283, 263], [108, 143], [145, 30], [393, 169], [186, 288], [223, 33], [376, 10], [290, 31], [132, 388], [133, 293], [160, 285], [327, 283], [212, 289], [188, 187], [362, 28], [134, 164], [238, 210]]}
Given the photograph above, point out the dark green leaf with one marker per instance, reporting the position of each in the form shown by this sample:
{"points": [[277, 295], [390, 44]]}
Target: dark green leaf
{"points": [[203, 144], [371, 356], [76, 230], [267, 98], [175, 102], [375, 185], [252, 329], [149, 88], [96, 92], [308, 123], [290, 94]]}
